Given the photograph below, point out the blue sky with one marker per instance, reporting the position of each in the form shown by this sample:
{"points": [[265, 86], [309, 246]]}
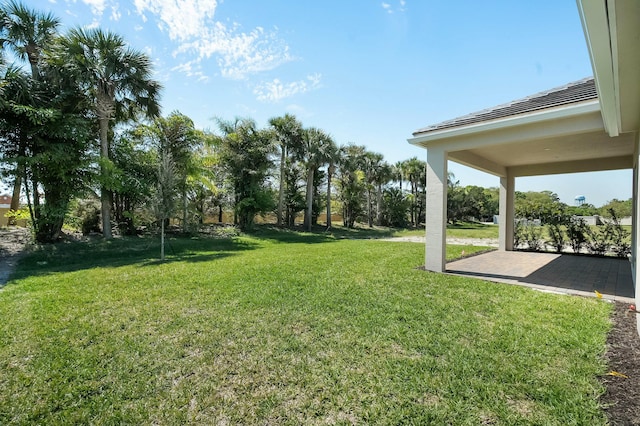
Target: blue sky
{"points": [[367, 72]]}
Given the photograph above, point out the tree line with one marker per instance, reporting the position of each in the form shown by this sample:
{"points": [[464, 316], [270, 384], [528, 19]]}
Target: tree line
{"points": [[81, 121], [84, 123]]}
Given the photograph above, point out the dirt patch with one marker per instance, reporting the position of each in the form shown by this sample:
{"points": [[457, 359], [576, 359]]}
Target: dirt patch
{"points": [[621, 399], [13, 242]]}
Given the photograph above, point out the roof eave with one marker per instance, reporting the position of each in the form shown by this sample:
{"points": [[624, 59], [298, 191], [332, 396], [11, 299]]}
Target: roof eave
{"points": [[565, 111], [597, 31]]}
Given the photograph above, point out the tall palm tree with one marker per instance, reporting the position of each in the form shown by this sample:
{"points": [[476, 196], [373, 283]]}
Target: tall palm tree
{"points": [[26, 32], [398, 173], [316, 150], [118, 82], [382, 175], [371, 163], [333, 158], [288, 134], [351, 182]]}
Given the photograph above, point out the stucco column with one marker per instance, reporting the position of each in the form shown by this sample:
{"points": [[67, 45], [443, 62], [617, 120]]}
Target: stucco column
{"points": [[634, 218], [506, 212], [635, 239], [436, 210]]}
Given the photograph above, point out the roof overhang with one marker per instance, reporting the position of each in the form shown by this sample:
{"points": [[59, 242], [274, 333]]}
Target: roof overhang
{"points": [[567, 139], [596, 131], [612, 32]]}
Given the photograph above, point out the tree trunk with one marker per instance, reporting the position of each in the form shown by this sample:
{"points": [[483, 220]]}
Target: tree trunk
{"points": [[413, 205], [329, 173], [53, 212], [21, 172], [220, 213], [379, 206], [15, 199], [309, 212], [281, 191], [162, 240], [369, 213], [184, 209], [105, 194]]}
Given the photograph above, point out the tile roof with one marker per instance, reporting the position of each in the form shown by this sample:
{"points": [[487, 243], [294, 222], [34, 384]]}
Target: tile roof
{"points": [[578, 91]]}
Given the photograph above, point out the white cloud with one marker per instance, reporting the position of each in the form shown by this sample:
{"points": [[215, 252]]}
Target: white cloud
{"points": [[115, 13], [191, 24], [390, 9], [183, 19], [97, 6], [275, 90], [191, 69], [94, 24]]}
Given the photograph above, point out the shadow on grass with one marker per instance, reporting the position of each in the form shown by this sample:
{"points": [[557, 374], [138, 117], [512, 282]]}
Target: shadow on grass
{"points": [[318, 234], [468, 225], [191, 258], [72, 256]]}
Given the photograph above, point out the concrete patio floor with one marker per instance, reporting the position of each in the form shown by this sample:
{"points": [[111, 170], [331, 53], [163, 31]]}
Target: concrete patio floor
{"points": [[563, 273]]}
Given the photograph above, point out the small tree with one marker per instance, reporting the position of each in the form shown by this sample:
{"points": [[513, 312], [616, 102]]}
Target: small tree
{"points": [[557, 236], [619, 236], [396, 206], [577, 230], [245, 158], [533, 237], [164, 201]]}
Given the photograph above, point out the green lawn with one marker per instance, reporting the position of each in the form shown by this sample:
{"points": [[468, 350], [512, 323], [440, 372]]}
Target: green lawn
{"points": [[287, 328], [458, 230]]}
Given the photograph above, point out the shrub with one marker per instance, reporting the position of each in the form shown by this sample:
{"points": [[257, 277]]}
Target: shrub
{"points": [[619, 237], [557, 237], [577, 232], [533, 236], [84, 215], [518, 233], [598, 241]]}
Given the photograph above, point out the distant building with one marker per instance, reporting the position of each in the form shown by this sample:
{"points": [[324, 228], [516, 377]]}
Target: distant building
{"points": [[580, 200], [5, 204], [5, 201]]}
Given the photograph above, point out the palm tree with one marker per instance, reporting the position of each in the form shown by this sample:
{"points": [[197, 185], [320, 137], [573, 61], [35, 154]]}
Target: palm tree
{"points": [[118, 82], [317, 145], [26, 32], [371, 162], [382, 175], [398, 173], [415, 173], [178, 136], [351, 182], [288, 133], [333, 158]]}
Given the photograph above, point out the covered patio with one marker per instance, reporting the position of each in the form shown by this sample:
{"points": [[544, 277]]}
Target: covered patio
{"points": [[552, 272], [584, 126]]}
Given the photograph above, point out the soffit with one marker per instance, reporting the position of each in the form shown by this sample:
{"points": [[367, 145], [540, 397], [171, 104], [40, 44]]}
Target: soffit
{"points": [[566, 148]]}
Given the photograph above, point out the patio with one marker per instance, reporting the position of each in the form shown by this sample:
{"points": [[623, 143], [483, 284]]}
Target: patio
{"points": [[564, 273]]}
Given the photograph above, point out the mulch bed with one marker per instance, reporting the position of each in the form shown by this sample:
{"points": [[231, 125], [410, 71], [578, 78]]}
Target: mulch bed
{"points": [[621, 400]]}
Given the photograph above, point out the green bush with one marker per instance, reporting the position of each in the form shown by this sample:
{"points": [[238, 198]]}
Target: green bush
{"points": [[557, 236], [577, 230]]}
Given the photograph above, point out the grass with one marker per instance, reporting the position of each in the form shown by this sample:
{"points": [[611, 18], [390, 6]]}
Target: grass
{"points": [[459, 230], [287, 328]]}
